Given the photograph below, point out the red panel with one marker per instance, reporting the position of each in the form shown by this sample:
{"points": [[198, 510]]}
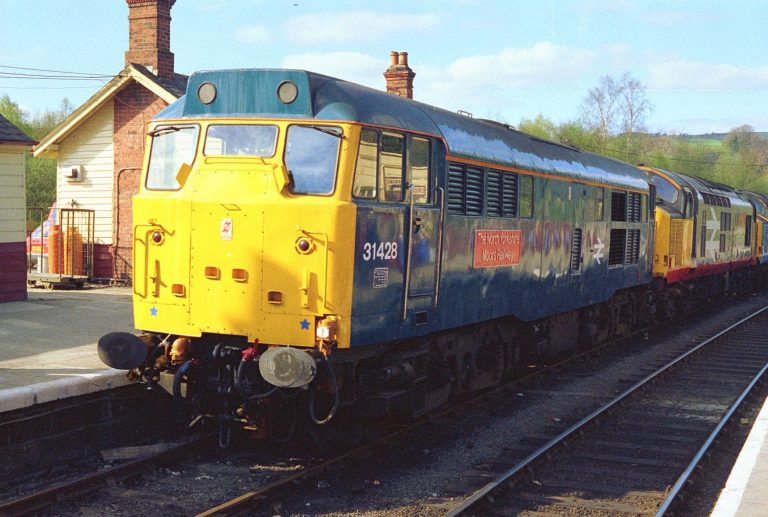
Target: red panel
{"points": [[13, 271], [494, 248], [682, 274]]}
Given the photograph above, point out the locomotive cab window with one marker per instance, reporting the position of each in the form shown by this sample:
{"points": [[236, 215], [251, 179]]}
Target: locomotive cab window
{"points": [[240, 140], [172, 146], [311, 153], [665, 191]]}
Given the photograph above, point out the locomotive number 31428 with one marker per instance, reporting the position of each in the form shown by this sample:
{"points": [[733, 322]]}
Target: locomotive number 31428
{"points": [[379, 251]]}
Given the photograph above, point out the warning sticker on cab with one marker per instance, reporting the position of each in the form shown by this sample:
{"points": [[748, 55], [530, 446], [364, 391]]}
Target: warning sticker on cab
{"points": [[495, 248], [226, 229]]}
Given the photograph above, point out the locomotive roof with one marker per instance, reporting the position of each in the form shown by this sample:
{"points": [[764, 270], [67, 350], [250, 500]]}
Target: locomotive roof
{"points": [[324, 98], [707, 187]]}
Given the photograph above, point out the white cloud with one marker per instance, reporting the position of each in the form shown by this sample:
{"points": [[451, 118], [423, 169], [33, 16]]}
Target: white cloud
{"points": [[692, 76], [355, 26], [543, 63], [252, 34], [350, 66]]}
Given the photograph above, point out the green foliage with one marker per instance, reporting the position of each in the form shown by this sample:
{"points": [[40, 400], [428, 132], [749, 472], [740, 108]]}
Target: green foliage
{"points": [[738, 158]]}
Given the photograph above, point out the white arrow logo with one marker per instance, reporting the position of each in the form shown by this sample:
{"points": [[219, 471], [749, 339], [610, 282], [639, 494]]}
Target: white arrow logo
{"points": [[598, 250]]}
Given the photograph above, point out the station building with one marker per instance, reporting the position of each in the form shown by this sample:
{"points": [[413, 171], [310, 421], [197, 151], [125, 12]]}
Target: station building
{"points": [[13, 252]]}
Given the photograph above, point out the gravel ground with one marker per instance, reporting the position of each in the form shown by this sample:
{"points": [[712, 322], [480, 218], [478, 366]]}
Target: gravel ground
{"points": [[425, 473]]}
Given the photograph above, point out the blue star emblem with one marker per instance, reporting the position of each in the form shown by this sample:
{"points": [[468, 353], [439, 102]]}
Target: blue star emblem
{"points": [[153, 311], [304, 324]]}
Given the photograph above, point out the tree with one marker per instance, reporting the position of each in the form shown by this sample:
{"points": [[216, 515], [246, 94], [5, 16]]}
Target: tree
{"points": [[541, 127], [615, 105], [15, 115], [634, 105], [750, 155], [599, 107]]}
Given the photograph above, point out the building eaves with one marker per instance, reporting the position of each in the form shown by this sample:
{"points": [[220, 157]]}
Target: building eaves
{"points": [[169, 91], [10, 134]]}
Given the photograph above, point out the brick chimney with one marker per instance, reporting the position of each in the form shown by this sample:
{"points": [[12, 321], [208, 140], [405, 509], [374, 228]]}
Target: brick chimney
{"points": [[399, 76], [149, 36]]}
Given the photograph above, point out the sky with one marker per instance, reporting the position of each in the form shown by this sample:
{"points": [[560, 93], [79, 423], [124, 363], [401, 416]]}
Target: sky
{"points": [[704, 63]]}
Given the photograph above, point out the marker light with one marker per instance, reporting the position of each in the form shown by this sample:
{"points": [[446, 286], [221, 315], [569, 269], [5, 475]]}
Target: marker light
{"points": [[304, 246], [157, 237], [326, 329]]}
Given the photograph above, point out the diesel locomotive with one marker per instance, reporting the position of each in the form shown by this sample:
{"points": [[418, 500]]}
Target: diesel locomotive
{"points": [[305, 245]]}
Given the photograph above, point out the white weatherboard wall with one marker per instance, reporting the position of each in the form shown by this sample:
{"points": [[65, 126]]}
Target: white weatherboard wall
{"points": [[12, 195], [91, 146]]}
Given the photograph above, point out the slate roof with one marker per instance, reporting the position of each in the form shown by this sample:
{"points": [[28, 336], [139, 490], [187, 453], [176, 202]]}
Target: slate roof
{"points": [[11, 134], [177, 86]]}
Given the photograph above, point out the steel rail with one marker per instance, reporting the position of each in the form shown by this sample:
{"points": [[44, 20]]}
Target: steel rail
{"points": [[477, 497], [249, 498], [90, 482], [674, 492]]}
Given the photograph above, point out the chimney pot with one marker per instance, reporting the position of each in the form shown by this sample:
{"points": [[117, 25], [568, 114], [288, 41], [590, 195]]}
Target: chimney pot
{"points": [[399, 76]]}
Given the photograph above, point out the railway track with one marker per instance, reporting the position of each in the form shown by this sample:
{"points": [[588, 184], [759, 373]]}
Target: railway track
{"points": [[261, 497], [635, 454], [83, 484], [264, 493]]}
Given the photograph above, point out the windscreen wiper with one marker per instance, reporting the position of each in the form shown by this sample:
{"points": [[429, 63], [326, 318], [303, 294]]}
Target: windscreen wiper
{"points": [[168, 129], [327, 131]]}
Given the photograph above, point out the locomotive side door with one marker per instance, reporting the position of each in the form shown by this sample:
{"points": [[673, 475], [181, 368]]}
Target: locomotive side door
{"points": [[422, 230]]}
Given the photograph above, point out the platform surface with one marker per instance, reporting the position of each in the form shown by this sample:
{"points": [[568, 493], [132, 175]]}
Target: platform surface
{"points": [[746, 491], [48, 344]]}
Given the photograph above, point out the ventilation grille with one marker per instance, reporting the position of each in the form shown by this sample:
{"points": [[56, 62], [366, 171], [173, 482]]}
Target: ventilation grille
{"points": [[634, 213], [494, 190], [456, 188], [618, 206], [465, 189], [474, 195], [633, 246], [676, 242], [501, 194], [617, 247], [576, 250]]}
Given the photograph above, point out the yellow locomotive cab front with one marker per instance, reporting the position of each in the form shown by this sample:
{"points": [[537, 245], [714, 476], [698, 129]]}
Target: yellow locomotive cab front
{"points": [[230, 241]]}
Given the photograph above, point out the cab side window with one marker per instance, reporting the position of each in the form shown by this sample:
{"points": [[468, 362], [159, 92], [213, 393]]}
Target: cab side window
{"points": [[367, 160], [420, 170], [391, 167]]}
